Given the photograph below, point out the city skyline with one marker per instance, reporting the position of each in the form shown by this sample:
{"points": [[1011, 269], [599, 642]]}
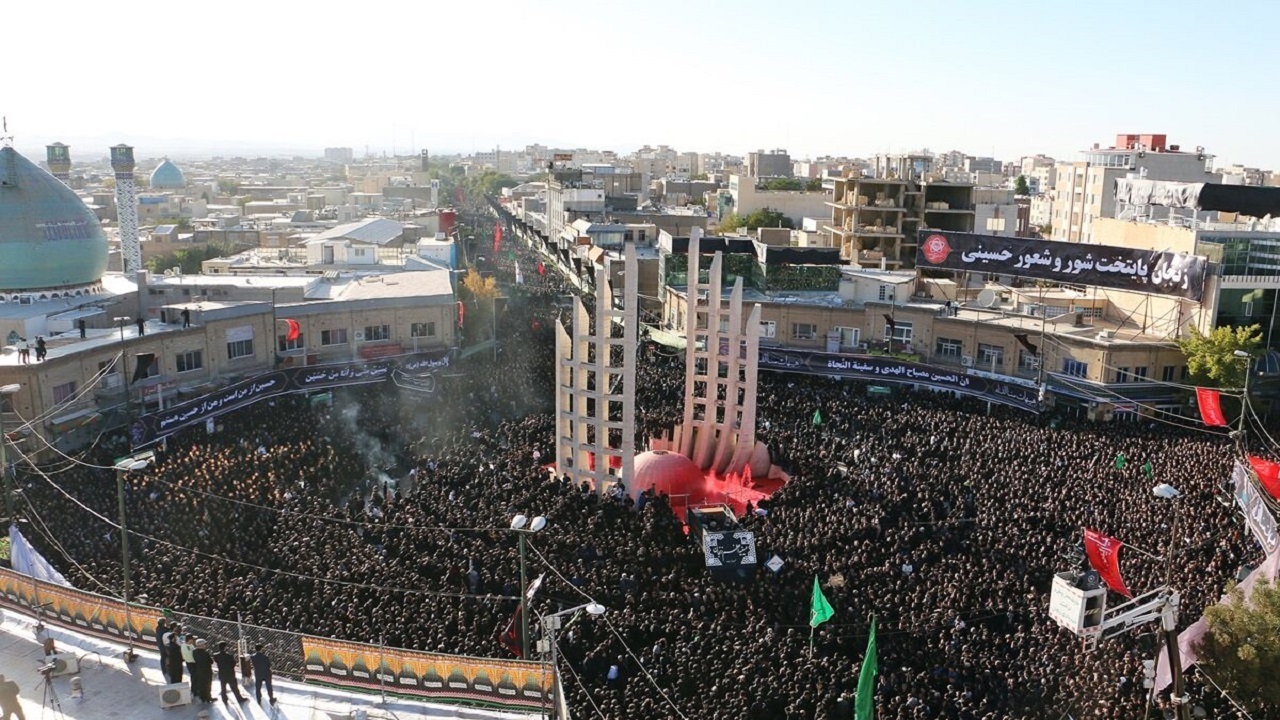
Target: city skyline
{"points": [[991, 78]]}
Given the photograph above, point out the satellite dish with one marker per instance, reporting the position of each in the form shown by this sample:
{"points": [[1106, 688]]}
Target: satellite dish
{"points": [[987, 298]]}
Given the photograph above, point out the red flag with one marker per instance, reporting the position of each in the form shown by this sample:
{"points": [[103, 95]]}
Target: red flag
{"points": [[510, 638], [497, 239], [1268, 474], [462, 311], [292, 331], [542, 269], [1104, 556], [1210, 407]]}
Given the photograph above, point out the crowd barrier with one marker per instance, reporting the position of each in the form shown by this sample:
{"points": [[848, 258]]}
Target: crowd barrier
{"points": [[506, 684]]}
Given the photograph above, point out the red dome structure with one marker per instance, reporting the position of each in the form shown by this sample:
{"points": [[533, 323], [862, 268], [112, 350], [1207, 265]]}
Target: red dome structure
{"points": [[666, 472]]}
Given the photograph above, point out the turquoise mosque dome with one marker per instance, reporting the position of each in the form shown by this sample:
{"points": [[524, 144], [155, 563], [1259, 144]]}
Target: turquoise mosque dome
{"points": [[167, 176], [48, 237]]}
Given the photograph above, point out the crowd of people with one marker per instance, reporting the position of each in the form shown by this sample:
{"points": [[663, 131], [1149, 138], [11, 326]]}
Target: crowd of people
{"points": [[383, 518]]}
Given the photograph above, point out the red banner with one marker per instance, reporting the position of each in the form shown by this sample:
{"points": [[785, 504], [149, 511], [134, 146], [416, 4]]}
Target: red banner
{"points": [[1104, 556], [462, 313], [1210, 407], [510, 637], [497, 239], [1268, 474], [293, 329]]}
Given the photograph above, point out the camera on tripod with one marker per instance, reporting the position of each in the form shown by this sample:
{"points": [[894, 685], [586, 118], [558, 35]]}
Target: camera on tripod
{"points": [[48, 668]]}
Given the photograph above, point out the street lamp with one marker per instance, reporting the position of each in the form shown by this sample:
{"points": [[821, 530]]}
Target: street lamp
{"points": [[7, 391], [518, 524], [124, 467], [1169, 614], [1244, 400], [550, 624]]}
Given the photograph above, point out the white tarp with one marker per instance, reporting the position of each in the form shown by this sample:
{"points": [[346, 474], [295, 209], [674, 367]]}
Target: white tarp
{"points": [[28, 561]]}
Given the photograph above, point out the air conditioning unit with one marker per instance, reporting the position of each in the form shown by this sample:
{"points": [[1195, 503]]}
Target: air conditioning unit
{"points": [[359, 336], [967, 361], [174, 695], [64, 664], [1106, 334]]}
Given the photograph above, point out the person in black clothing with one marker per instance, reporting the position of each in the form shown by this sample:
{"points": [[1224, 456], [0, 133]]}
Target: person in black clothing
{"points": [[42, 348], [226, 663], [186, 318], [261, 674], [162, 627], [142, 326], [81, 325], [174, 656], [202, 678]]}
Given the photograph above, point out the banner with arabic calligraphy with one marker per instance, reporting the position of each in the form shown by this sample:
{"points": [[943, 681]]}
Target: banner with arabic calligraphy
{"points": [[513, 684], [1254, 505], [887, 369], [1148, 271], [150, 428]]}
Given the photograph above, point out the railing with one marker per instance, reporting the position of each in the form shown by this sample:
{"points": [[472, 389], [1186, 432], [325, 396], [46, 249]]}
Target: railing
{"points": [[510, 684]]}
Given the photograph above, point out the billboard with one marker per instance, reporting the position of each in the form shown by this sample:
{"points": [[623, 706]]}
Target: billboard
{"points": [[1149, 271]]}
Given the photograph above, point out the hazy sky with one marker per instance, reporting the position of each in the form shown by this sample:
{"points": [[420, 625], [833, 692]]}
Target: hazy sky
{"points": [[841, 78]]}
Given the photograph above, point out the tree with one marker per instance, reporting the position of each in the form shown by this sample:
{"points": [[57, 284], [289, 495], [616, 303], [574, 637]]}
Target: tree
{"points": [[767, 217], [1241, 651], [228, 186], [813, 185], [478, 294], [489, 183], [1211, 358], [700, 176], [1020, 186], [789, 184]]}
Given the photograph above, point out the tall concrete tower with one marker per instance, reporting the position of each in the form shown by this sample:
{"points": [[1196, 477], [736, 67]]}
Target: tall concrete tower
{"points": [[596, 385], [58, 157], [127, 208], [721, 356]]}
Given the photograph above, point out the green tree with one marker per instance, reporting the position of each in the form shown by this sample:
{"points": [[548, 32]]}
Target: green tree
{"points": [[228, 186], [1211, 358], [700, 176], [730, 223], [1020, 186], [1241, 651], [767, 217], [489, 183], [813, 185], [789, 184]]}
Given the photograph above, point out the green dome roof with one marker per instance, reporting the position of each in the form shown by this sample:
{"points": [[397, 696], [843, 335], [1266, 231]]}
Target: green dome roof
{"points": [[48, 237]]}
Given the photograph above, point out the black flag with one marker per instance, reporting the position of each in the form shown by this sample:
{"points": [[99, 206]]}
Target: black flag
{"points": [[144, 364], [1022, 340]]}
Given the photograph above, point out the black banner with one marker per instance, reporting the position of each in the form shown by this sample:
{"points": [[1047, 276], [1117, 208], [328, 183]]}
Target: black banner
{"points": [[1148, 271], [888, 369], [150, 428]]}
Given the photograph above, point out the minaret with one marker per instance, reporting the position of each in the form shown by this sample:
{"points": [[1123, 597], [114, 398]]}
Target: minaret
{"points": [[58, 156], [127, 208]]}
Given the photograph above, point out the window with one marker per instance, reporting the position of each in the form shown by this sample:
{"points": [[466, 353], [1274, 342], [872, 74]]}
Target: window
{"points": [[284, 344], [1027, 361], [1122, 375], [423, 329], [989, 355], [849, 337], [63, 392], [1186, 373], [1140, 374], [1166, 375], [900, 332], [110, 371], [1075, 368], [1089, 312], [333, 337], [358, 252], [884, 293], [804, 331], [190, 361], [373, 333], [948, 348], [239, 349], [768, 329]]}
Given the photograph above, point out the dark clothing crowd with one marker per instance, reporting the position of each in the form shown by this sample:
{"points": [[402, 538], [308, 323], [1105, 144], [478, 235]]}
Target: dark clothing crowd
{"points": [[384, 518]]}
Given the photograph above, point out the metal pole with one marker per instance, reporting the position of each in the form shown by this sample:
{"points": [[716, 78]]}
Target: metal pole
{"points": [[524, 611], [124, 560], [4, 468], [555, 673], [1170, 623]]}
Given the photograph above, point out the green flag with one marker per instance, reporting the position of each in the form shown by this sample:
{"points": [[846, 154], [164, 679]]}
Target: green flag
{"points": [[1120, 461], [865, 704], [820, 610], [817, 417], [1149, 469]]}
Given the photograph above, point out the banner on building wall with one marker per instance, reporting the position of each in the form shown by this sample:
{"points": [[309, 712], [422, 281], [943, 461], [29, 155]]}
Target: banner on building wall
{"points": [[1254, 506], [887, 369], [1148, 271], [150, 428], [513, 684]]}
